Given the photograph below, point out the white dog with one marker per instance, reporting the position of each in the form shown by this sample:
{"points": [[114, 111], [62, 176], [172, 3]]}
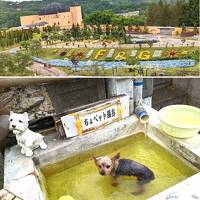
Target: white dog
{"points": [[26, 139]]}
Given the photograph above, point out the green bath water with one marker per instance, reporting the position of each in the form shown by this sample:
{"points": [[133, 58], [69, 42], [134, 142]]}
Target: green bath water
{"points": [[83, 182]]}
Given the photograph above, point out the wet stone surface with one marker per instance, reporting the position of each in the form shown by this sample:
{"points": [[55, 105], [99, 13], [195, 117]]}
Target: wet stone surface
{"points": [[1, 170]]}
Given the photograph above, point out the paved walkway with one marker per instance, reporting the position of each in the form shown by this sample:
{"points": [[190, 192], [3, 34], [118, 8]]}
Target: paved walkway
{"points": [[41, 70], [168, 41]]}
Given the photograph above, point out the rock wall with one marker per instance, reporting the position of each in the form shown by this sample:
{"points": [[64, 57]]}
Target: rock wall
{"points": [[33, 99], [191, 87]]}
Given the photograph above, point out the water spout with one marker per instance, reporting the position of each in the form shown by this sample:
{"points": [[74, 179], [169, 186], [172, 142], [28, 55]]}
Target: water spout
{"points": [[140, 111]]}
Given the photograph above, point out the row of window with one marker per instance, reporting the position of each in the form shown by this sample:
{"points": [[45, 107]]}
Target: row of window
{"points": [[58, 23], [55, 17]]}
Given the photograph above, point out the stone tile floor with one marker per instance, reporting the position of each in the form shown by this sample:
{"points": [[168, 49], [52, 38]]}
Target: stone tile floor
{"points": [[186, 190], [5, 195]]}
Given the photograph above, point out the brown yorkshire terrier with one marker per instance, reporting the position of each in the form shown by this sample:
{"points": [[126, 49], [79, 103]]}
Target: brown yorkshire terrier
{"points": [[116, 167]]}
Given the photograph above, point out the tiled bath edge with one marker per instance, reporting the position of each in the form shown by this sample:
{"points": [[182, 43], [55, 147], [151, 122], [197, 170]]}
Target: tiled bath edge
{"points": [[188, 149], [28, 187]]}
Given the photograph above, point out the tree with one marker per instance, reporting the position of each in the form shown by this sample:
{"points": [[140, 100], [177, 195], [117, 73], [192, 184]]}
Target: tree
{"points": [[35, 47], [195, 30], [150, 44], [107, 30], [99, 17], [25, 45], [166, 13], [14, 64], [23, 59]]}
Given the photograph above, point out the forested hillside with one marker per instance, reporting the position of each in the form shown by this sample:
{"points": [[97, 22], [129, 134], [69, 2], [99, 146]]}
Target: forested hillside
{"points": [[153, 12], [10, 12], [178, 13]]}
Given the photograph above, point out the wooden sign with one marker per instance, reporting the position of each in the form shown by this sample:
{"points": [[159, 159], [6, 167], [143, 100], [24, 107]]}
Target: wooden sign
{"points": [[90, 119]]}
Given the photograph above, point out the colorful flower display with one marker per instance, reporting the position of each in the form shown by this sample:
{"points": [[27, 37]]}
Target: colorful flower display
{"points": [[99, 53], [110, 53], [89, 54], [168, 63], [171, 54], [144, 55], [121, 56], [133, 53], [157, 53]]}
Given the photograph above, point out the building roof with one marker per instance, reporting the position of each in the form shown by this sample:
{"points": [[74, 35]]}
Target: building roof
{"points": [[52, 8], [74, 4], [37, 24]]}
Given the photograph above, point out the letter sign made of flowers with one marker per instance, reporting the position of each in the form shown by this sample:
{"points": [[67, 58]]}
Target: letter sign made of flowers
{"points": [[100, 53], [144, 55], [121, 56]]}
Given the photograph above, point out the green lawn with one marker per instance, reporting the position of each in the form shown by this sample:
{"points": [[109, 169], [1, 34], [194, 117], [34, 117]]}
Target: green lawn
{"points": [[125, 72]]}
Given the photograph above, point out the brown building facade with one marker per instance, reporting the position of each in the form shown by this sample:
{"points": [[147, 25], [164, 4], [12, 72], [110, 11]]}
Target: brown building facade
{"points": [[62, 19]]}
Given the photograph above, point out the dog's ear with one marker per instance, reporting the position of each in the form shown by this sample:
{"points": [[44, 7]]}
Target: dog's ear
{"points": [[25, 115], [95, 159], [116, 157], [11, 112]]}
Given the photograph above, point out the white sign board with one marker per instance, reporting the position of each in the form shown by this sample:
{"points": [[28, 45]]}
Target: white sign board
{"points": [[90, 119]]}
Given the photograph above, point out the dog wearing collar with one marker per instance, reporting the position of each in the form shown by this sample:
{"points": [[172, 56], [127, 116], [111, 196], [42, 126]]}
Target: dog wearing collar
{"points": [[26, 139], [116, 167]]}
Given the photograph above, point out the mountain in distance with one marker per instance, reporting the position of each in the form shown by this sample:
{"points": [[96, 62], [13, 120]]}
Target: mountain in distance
{"points": [[10, 11]]}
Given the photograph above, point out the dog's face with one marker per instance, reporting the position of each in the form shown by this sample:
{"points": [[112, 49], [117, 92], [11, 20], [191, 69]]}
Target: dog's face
{"points": [[18, 122], [106, 164]]}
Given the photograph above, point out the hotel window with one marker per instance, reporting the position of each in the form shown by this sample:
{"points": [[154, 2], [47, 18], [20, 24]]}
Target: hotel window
{"points": [[68, 22], [58, 23]]}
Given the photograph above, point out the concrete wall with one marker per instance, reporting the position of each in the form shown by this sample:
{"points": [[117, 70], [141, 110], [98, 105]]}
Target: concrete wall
{"points": [[76, 15], [191, 87]]}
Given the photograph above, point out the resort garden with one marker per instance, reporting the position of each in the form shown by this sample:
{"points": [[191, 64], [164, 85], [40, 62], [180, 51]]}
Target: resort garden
{"points": [[98, 50], [123, 61]]}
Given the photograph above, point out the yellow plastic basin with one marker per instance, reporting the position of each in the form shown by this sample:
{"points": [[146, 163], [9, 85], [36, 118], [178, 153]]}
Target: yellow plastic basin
{"points": [[180, 121]]}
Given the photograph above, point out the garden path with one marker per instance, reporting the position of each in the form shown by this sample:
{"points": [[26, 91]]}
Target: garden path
{"points": [[41, 70]]}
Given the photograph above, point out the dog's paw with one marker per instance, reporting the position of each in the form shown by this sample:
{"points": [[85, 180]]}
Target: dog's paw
{"points": [[43, 145], [137, 192], [115, 184], [29, 153], [22, 151]]}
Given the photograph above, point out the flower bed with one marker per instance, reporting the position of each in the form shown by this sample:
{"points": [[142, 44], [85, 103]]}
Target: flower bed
{"points": [[169, 63], [89, 63], [89, 54], [143, 40], [110, 53]]}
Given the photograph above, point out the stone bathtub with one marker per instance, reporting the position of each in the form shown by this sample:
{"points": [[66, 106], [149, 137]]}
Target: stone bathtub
{"points": [[23, 176]]}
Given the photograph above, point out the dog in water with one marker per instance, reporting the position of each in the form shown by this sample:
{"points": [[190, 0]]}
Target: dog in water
{"points": [[26, 139], [116, 167]]}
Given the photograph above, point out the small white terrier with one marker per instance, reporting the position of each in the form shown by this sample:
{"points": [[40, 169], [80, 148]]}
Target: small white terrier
{"points": [[26, 139]]}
